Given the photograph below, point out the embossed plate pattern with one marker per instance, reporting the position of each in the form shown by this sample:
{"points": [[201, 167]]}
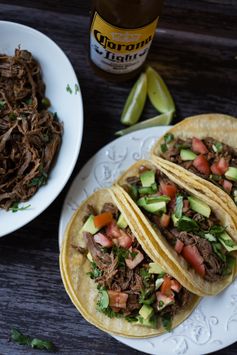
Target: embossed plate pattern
{"points": [[212, 325]]}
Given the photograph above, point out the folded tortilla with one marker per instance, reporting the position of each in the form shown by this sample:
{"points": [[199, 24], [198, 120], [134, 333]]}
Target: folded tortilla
{"points": [[171, 260], [222, 128], [82, 289]]}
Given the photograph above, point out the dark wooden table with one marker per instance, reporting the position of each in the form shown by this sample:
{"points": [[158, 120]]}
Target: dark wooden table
{"points": [[195, 50]]}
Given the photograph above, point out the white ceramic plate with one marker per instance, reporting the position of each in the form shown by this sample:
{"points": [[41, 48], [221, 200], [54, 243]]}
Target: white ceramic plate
{"points": [[57, 74], [212, 325]]}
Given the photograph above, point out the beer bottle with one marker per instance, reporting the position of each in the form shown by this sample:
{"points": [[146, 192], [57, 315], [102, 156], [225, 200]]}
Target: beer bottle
{"points": [[121, 33]]}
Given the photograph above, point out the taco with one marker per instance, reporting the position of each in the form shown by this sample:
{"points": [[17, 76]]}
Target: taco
{"points": [[193, 230], [204, 148], [112, 276]]}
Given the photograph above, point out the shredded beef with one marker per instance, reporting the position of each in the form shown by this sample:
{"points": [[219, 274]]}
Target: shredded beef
{"points": [[110, 207], [101, 258]]}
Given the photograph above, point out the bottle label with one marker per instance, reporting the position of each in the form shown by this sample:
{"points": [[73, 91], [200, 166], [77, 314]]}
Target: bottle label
{"points": [[118, 50]]}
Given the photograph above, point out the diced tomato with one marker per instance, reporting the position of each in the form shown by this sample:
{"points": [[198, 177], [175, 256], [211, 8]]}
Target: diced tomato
{"points": [[215, 169], [193, 257], [113, 231], [198, 146], [165, 220], [132, 263], [124, 241], [227, 186], [168, 189], [175, 285], [185, 206], [117, 299], [179, 246], [166, 286], [201, 164], [222, 165], [103, 219], [101, 239]]}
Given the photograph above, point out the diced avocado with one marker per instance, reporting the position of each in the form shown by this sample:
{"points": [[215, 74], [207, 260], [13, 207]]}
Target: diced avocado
{"points": [[163, 301], [187, 154], [89, 226], [227, 242], [199, 206], [155, 269], [122, 223], [145, 190], [146, 311], [174, 219], [231, 174], [151, 322], [89, 257], [159, 282], [153, 199], [152, 207], [147, 178]]}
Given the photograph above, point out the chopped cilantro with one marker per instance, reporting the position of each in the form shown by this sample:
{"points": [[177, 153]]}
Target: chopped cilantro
{"points": [[147, 296], [15, 207], [109, 312], [163, 148], [217, 248], [167, 321], [2, 104], [217, 147], [77, 89], [146, 276], [39, 180], [187, 224], [12, 116], [230, 264], [35, 343], [95, 271], [161, 303], [121, 254], [217, 230], [131, 319], [169, 137], [45, 102], [68, 89]]}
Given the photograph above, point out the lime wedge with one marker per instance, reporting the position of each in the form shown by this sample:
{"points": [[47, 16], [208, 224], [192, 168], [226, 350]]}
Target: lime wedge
{"points": [[158, 92], [135, 102], [161, 120]]}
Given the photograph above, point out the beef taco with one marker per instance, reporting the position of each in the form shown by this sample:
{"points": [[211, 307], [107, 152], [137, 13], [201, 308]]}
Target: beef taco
{"points": [[204, 148], [112, 276], [195, 232]]}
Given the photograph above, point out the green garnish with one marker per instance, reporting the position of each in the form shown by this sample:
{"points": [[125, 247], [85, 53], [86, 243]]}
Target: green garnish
{"points": [[163, 148], [131, 319], [217, 147], [45, 102], [230, 264], [28, 101], [12, 116], [209, 237], [147, 296], [167, 321], [215, 177], [179, 207], [168, 137], [133, 192], [77, 89], [95, 271], [161, 303], [109, 312], [2, 104], [39, 180], [68, 89], [217, 230], [146, 276], [121, 254], [15, 207], [35, 343], [187, 224], [217, 248]]}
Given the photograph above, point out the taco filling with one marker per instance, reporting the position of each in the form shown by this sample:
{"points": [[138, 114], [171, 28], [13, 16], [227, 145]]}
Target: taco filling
{"points": [[208, 158], [129, 283], [188, 224]]}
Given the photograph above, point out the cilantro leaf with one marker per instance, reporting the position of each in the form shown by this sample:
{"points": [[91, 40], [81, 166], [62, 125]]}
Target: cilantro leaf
{"points": [[95, 271], [187, 224], [2, 104], [167, 321], [169, 137], [35, 343], [15, 207], [69, 89]]}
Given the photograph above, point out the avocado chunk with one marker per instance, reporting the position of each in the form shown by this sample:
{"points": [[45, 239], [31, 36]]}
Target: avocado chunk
{"points": [[231, 174], [227, 242], [89, 226], [174, 219], [155, 207], [159, 282], [187, 154], [147, 178], [155, 269], [122, 223], [146, 311], [199, 206]]}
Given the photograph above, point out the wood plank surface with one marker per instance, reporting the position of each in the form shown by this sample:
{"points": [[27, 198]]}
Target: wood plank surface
{"points": [[195, 50]]}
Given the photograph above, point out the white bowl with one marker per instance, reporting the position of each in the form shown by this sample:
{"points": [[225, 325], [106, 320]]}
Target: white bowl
{"points": [[57, 74]]}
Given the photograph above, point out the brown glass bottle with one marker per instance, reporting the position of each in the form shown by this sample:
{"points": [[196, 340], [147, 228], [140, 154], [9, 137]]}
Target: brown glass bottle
{"points": [[121, 33]]}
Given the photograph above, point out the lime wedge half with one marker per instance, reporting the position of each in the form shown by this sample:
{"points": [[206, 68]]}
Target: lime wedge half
{"points": [[135, 102], [158, 92], [161, 120]]}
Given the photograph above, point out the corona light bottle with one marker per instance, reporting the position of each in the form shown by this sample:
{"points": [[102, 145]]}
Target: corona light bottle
{"points": [[121, 33]]}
